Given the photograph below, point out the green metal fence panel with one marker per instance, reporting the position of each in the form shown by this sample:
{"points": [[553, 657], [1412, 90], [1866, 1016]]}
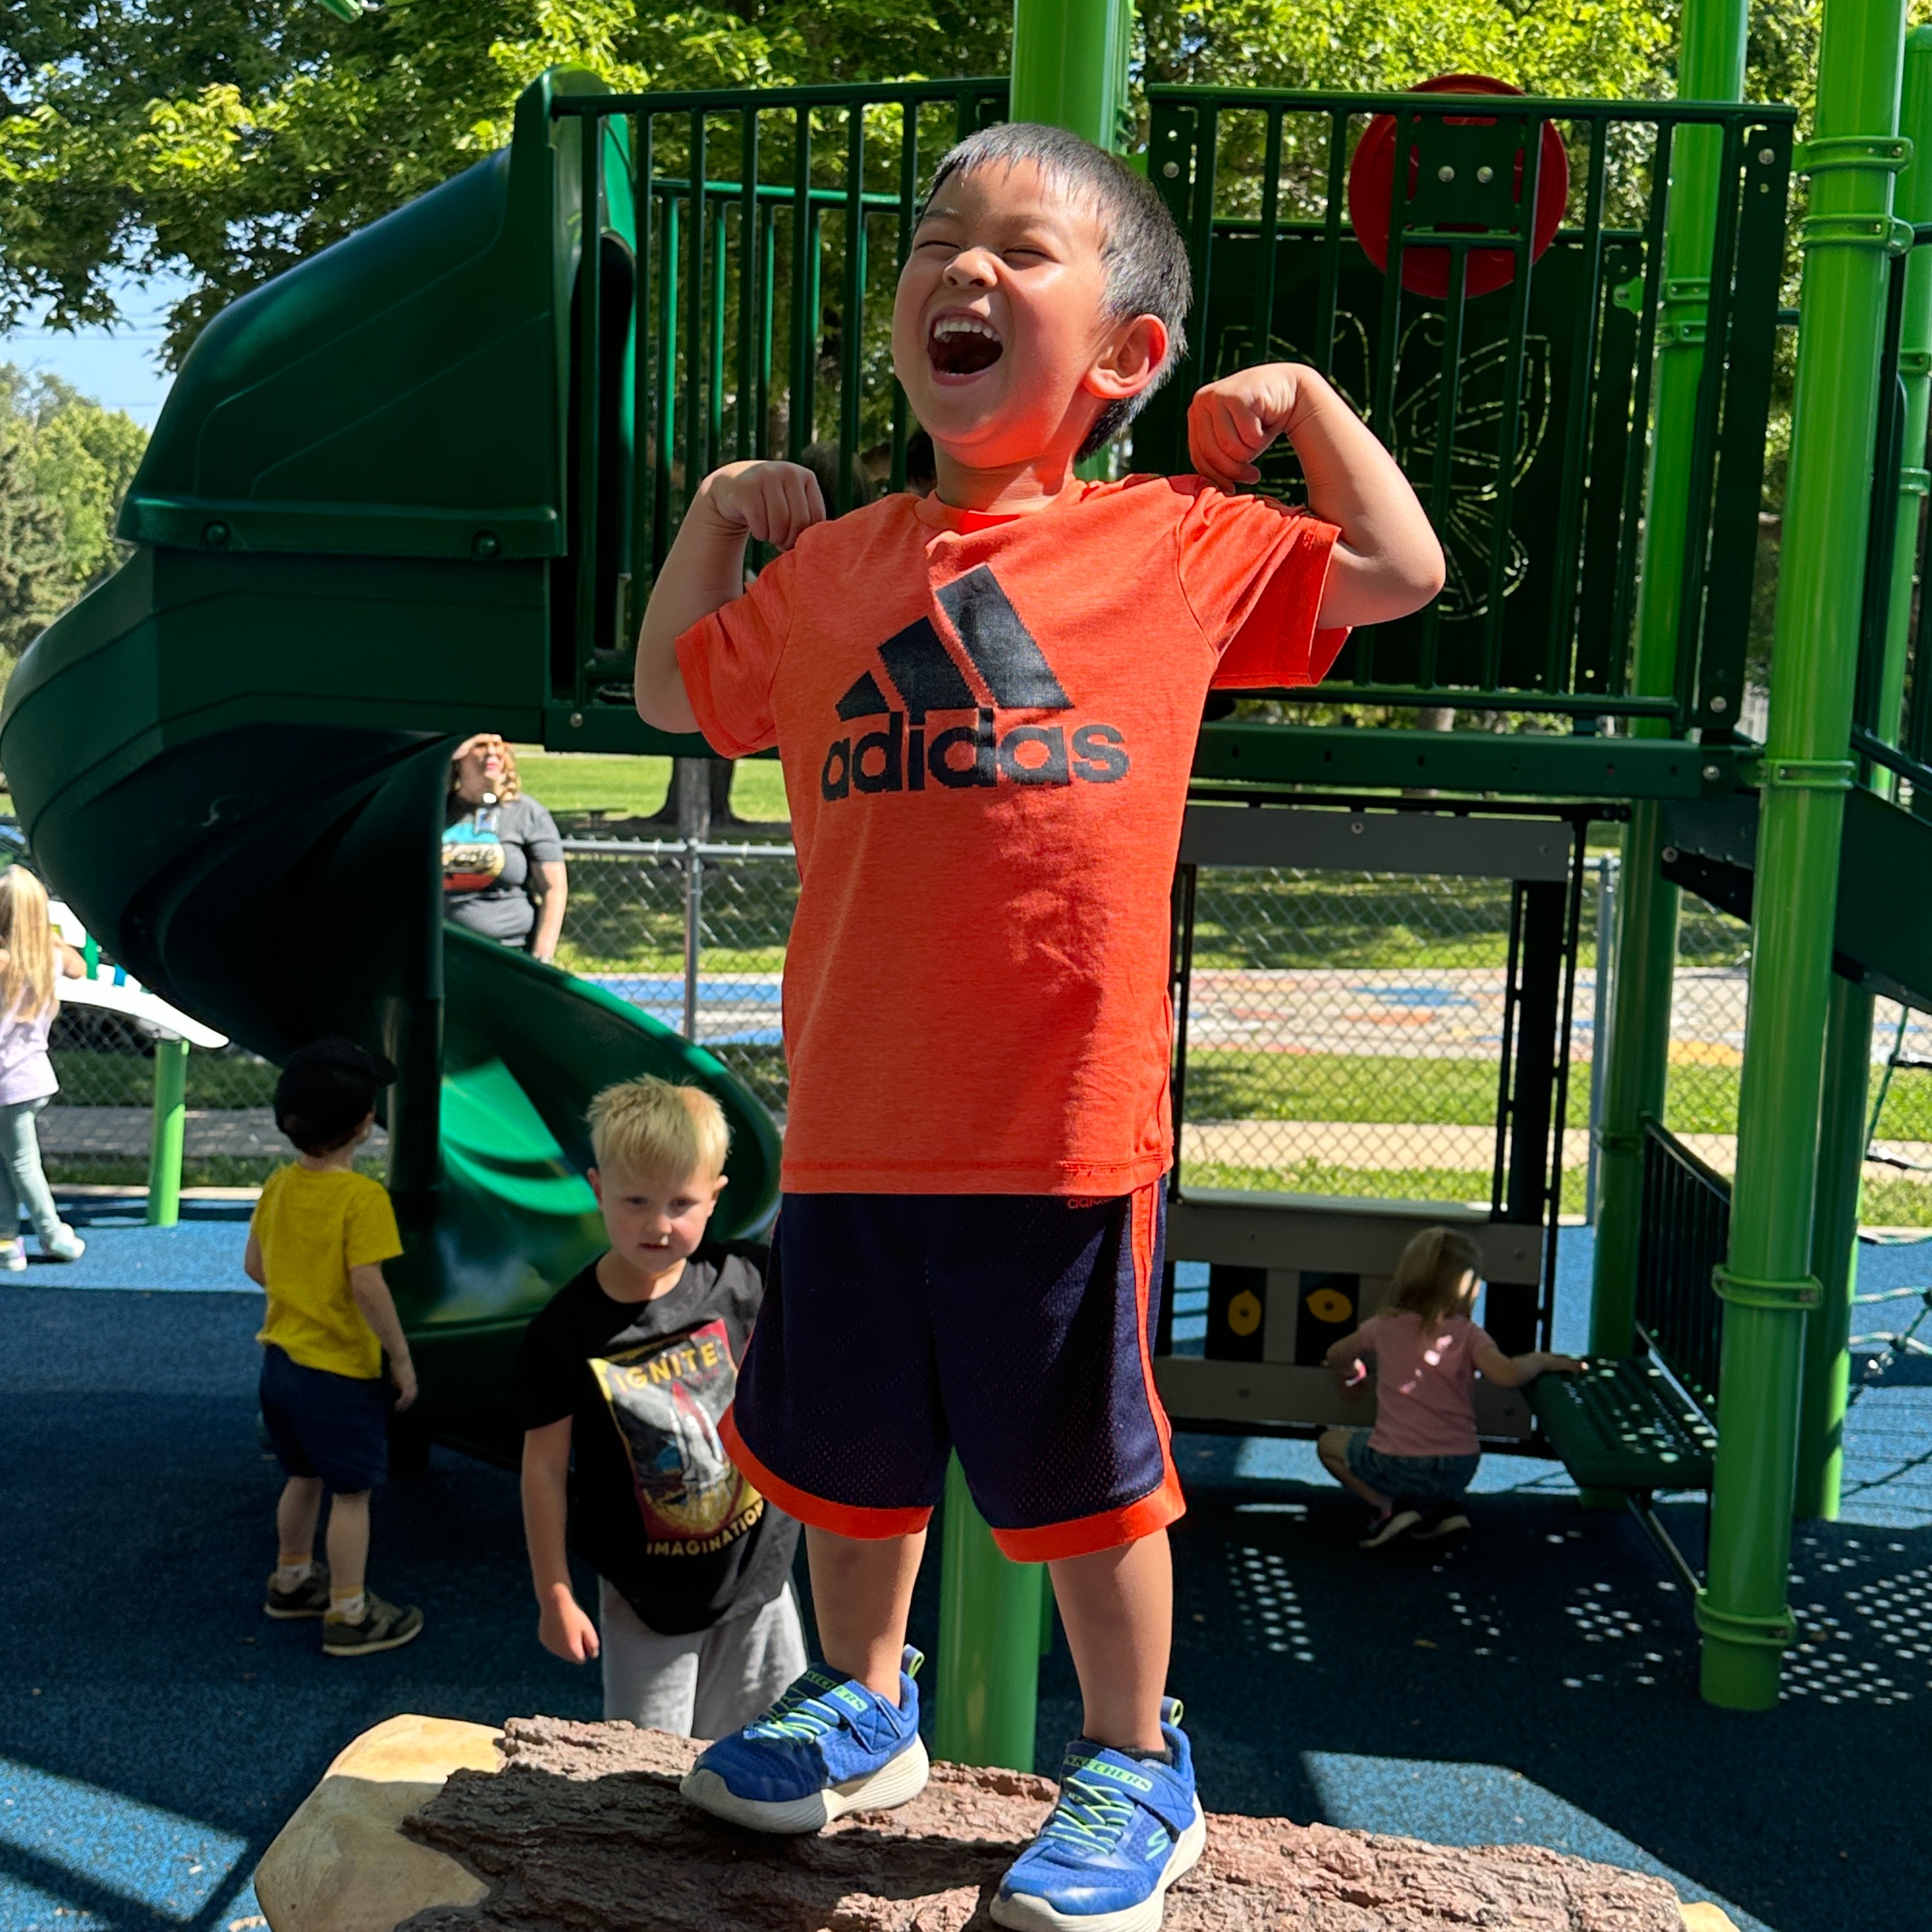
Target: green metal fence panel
{"points": [[756, 274], [1513, 385]]}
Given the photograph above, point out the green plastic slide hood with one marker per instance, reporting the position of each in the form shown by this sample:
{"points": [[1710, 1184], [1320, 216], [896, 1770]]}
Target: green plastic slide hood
{"points": [[404, 393]]}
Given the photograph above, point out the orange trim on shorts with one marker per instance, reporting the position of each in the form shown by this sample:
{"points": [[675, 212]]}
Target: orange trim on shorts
{"points": [[865, 1525], [1086, 1535]]}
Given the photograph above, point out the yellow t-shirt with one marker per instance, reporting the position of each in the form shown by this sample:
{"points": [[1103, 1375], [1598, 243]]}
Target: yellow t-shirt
{"points": [[312, 1229]]}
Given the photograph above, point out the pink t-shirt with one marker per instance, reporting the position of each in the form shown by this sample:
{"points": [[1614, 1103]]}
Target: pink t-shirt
{"points": [[26, 1073], [1424, 1403]]}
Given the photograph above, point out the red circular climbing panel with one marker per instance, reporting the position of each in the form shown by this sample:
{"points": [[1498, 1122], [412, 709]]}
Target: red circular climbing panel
{"points": [[1425, 271]]}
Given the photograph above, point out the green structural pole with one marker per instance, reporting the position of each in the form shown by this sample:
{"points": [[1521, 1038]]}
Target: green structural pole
{"points": [[1835, 1234], [1911, 202], [1069, 70], [1710, 66], [1766, 1282], [1842, 1132], [1070, 66], [986, 1698], [164, 1153]]}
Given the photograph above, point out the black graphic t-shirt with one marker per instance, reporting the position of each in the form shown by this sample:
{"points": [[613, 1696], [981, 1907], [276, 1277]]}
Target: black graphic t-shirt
{"points": [[656, 1507], [489, 854]]}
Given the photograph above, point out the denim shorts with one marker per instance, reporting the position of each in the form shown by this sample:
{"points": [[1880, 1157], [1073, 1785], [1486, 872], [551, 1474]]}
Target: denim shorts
{"points": [[1411, 1478], [334, 1427]]}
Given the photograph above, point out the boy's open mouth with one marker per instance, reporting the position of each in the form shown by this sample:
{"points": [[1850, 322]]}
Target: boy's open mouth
{"points": [[962, 345]]}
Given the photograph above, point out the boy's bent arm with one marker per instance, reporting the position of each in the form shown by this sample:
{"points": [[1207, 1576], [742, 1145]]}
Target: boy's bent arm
{"points": [[1387, 562], [252, 1263], [562, 1626], [372, 1297], [774, 502]]}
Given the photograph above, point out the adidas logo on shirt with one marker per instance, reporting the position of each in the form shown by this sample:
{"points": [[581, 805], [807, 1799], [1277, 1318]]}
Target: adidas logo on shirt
{"points": [[909, 750]]}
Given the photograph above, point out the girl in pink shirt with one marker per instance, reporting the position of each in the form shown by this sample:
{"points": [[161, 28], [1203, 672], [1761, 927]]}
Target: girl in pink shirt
{"points": [[31, 960], [1413, 1467]]}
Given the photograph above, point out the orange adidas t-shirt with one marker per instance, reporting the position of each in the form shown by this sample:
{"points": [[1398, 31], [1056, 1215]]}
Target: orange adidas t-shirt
{"points": [[986, 725]]}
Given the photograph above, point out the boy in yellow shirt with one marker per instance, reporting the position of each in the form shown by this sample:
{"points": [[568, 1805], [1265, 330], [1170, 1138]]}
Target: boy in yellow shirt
{"points": [[320, 1234]]}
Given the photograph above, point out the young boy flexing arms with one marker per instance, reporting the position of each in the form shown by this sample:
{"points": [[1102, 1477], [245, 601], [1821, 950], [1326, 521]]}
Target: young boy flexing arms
{"points": [[986, 704]]}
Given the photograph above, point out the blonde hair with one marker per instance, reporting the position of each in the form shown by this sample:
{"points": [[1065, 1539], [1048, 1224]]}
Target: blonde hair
{"points": [[647, 1125], [26, 946], [1428, 1278], [512, 786]]}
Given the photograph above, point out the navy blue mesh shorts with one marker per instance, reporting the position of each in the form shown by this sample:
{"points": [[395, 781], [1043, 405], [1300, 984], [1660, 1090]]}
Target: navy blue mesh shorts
{"points": [[334, 1427], [1015, 1328]]}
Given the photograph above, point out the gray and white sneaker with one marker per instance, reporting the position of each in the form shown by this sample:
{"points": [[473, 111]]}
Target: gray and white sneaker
{"points": [[1390, 1525], [66, 1245], [14, 1257], [385, 1626]]}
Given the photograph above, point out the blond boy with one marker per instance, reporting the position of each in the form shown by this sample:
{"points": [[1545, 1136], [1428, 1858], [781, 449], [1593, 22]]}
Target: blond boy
{"points": [[622, 1381]]}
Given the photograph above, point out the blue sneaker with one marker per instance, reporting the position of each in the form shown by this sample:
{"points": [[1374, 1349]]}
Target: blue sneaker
{"points": [[1124, 1830], [827, 1746]]}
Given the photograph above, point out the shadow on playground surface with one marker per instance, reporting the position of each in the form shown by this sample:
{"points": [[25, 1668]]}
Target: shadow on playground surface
{"points": [[1538, 1684]]}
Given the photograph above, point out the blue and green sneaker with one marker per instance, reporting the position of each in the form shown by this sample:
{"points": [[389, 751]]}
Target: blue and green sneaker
{"points": [[827, 1746], [1124, 1830]]}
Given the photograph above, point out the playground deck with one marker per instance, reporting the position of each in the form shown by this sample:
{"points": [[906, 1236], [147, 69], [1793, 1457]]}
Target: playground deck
{"points": [[1539, 1684]]}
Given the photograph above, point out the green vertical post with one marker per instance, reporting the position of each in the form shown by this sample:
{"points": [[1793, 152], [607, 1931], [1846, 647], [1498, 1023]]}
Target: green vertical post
{"points": [[1069, 70], [1710, 66], [986, 1696], [164, 1151], [1766, 1283], [1842, 1129], [1070, 66], [1911, 202], [1834, 1235]]}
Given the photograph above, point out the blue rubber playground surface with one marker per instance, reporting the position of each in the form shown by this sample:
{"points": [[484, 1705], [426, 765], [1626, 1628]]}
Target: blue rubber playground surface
{"points": [[1538, 1684]]}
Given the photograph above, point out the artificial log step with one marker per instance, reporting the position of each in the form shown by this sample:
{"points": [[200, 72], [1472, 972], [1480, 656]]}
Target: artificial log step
{"points": [[580, 1829]]}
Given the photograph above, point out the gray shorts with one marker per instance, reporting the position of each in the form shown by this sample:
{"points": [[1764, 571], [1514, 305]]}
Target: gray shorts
{"points": [[1416, 1479], [707, 1684]]}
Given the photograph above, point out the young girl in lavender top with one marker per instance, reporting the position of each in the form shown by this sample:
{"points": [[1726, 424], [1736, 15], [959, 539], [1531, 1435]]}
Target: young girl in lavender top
{"points": [[31, 958], [1413, 1467]]}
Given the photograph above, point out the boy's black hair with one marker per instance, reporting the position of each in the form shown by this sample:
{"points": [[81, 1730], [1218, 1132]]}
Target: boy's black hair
{"points": [[326, 1091], [1147, 270]]}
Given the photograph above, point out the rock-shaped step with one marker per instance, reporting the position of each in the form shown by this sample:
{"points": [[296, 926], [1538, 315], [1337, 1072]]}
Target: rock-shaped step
{"points": [[581, 1825]]}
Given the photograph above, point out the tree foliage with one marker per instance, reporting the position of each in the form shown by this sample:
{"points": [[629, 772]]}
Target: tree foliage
{"points": [[230, 138], [226, 140], [65, 463], [30, 590]]}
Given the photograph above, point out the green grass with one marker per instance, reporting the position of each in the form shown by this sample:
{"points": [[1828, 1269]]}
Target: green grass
{"points": [[1895, 1204], [1316, 1177], [215, 1170], [1231, 1084], [1228, 1084], [575, 783], [89, 1078]]}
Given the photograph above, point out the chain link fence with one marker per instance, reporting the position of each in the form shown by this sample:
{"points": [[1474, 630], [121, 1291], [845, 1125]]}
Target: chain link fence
{"points": [[1345, 1029], [694, 933], [1344, 1033]]}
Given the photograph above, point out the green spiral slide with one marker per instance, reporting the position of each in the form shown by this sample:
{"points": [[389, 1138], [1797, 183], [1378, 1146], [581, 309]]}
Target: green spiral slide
{"points": [[355, 546]]}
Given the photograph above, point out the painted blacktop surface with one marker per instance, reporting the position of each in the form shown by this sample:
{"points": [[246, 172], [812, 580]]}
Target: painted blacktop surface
{"points": [[1538, 1684]]}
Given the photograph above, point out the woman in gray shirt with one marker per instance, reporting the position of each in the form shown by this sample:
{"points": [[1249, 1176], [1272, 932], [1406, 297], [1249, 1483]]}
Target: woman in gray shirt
{"points": [[502, 860]]}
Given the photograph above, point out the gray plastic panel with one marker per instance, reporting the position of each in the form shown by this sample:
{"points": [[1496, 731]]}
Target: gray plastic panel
{"points": [[1377, 841], [1322, 1232]]}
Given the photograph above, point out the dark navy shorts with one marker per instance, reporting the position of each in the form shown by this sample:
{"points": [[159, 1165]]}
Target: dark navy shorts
{"points": [[334, 1427], [1015, 1328]]}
